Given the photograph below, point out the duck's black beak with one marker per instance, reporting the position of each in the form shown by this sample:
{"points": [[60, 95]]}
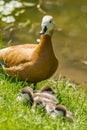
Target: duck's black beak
{"points": [[43, 31]]}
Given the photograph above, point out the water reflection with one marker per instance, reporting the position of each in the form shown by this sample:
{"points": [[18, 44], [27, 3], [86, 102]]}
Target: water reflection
{"points": [[21, 24], [7, 9], [8, 19]]}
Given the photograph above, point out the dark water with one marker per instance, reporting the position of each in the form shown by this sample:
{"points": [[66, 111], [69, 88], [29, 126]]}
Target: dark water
{"points": [[20, 23]]}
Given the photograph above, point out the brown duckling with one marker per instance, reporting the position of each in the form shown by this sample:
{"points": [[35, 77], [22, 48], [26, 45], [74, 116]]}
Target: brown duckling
{"points": [[46, 97], [47, 89], [26, 95], [61, 110]]}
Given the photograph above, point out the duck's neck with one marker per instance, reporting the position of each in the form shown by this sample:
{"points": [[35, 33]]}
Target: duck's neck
{"points": [[45, 43], [44, 48], [45, 38]]}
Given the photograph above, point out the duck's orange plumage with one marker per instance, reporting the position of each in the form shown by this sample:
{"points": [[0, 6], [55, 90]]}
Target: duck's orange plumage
{"points": [[31, 62]]}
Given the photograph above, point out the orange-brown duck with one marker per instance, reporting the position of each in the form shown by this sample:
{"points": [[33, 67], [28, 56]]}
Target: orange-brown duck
{"points": [[32, 62]]}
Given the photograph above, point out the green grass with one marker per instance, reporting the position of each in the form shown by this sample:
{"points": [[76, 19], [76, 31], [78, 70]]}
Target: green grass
{"points": [[17, 116]]}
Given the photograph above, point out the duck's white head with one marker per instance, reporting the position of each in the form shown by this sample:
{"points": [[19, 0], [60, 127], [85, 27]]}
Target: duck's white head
{"points": [[47, 25]]}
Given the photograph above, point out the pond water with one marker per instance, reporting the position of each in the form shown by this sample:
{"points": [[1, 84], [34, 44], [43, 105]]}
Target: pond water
{"points": [[20, 23]]}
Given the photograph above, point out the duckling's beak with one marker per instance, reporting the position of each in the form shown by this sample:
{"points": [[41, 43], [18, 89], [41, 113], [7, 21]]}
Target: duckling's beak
{"points": [[43, 31]]}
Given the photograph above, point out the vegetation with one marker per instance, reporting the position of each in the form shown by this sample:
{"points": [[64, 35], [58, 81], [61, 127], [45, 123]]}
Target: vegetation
{"points": [[16, 115], [17, 25]]}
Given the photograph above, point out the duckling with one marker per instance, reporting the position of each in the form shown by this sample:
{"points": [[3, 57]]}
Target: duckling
{"points": [[26, 95], [61, 110], [46, 97], [32, 62], [47, 89]]}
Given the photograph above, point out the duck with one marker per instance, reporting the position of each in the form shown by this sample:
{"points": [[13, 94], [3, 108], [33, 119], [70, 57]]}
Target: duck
{"points": [[32, 62]]}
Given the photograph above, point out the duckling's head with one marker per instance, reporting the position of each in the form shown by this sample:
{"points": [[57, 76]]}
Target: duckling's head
{"points": [[60, 110], [26, 95], [47, 89], [47, 25]]}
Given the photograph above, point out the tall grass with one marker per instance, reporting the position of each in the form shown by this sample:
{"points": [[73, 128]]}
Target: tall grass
{"points": [[1, 43], [17, 116]]}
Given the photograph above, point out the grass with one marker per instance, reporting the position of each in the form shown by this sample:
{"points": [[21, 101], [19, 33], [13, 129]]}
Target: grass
{"points": [[17, 116]]}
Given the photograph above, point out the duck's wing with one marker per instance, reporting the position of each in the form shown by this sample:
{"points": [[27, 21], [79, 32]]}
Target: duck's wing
{"points": [[16, 55], [19, 71]]}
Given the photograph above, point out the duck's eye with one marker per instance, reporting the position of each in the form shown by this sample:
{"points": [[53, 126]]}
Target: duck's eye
{"points": [[50, 21]]}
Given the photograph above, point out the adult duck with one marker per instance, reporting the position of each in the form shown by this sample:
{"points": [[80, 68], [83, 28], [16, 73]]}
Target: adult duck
{"points": [[32, 62]]}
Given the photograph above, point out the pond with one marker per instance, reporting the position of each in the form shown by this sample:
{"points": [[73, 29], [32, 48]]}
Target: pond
{"points": [[20, 23]]}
